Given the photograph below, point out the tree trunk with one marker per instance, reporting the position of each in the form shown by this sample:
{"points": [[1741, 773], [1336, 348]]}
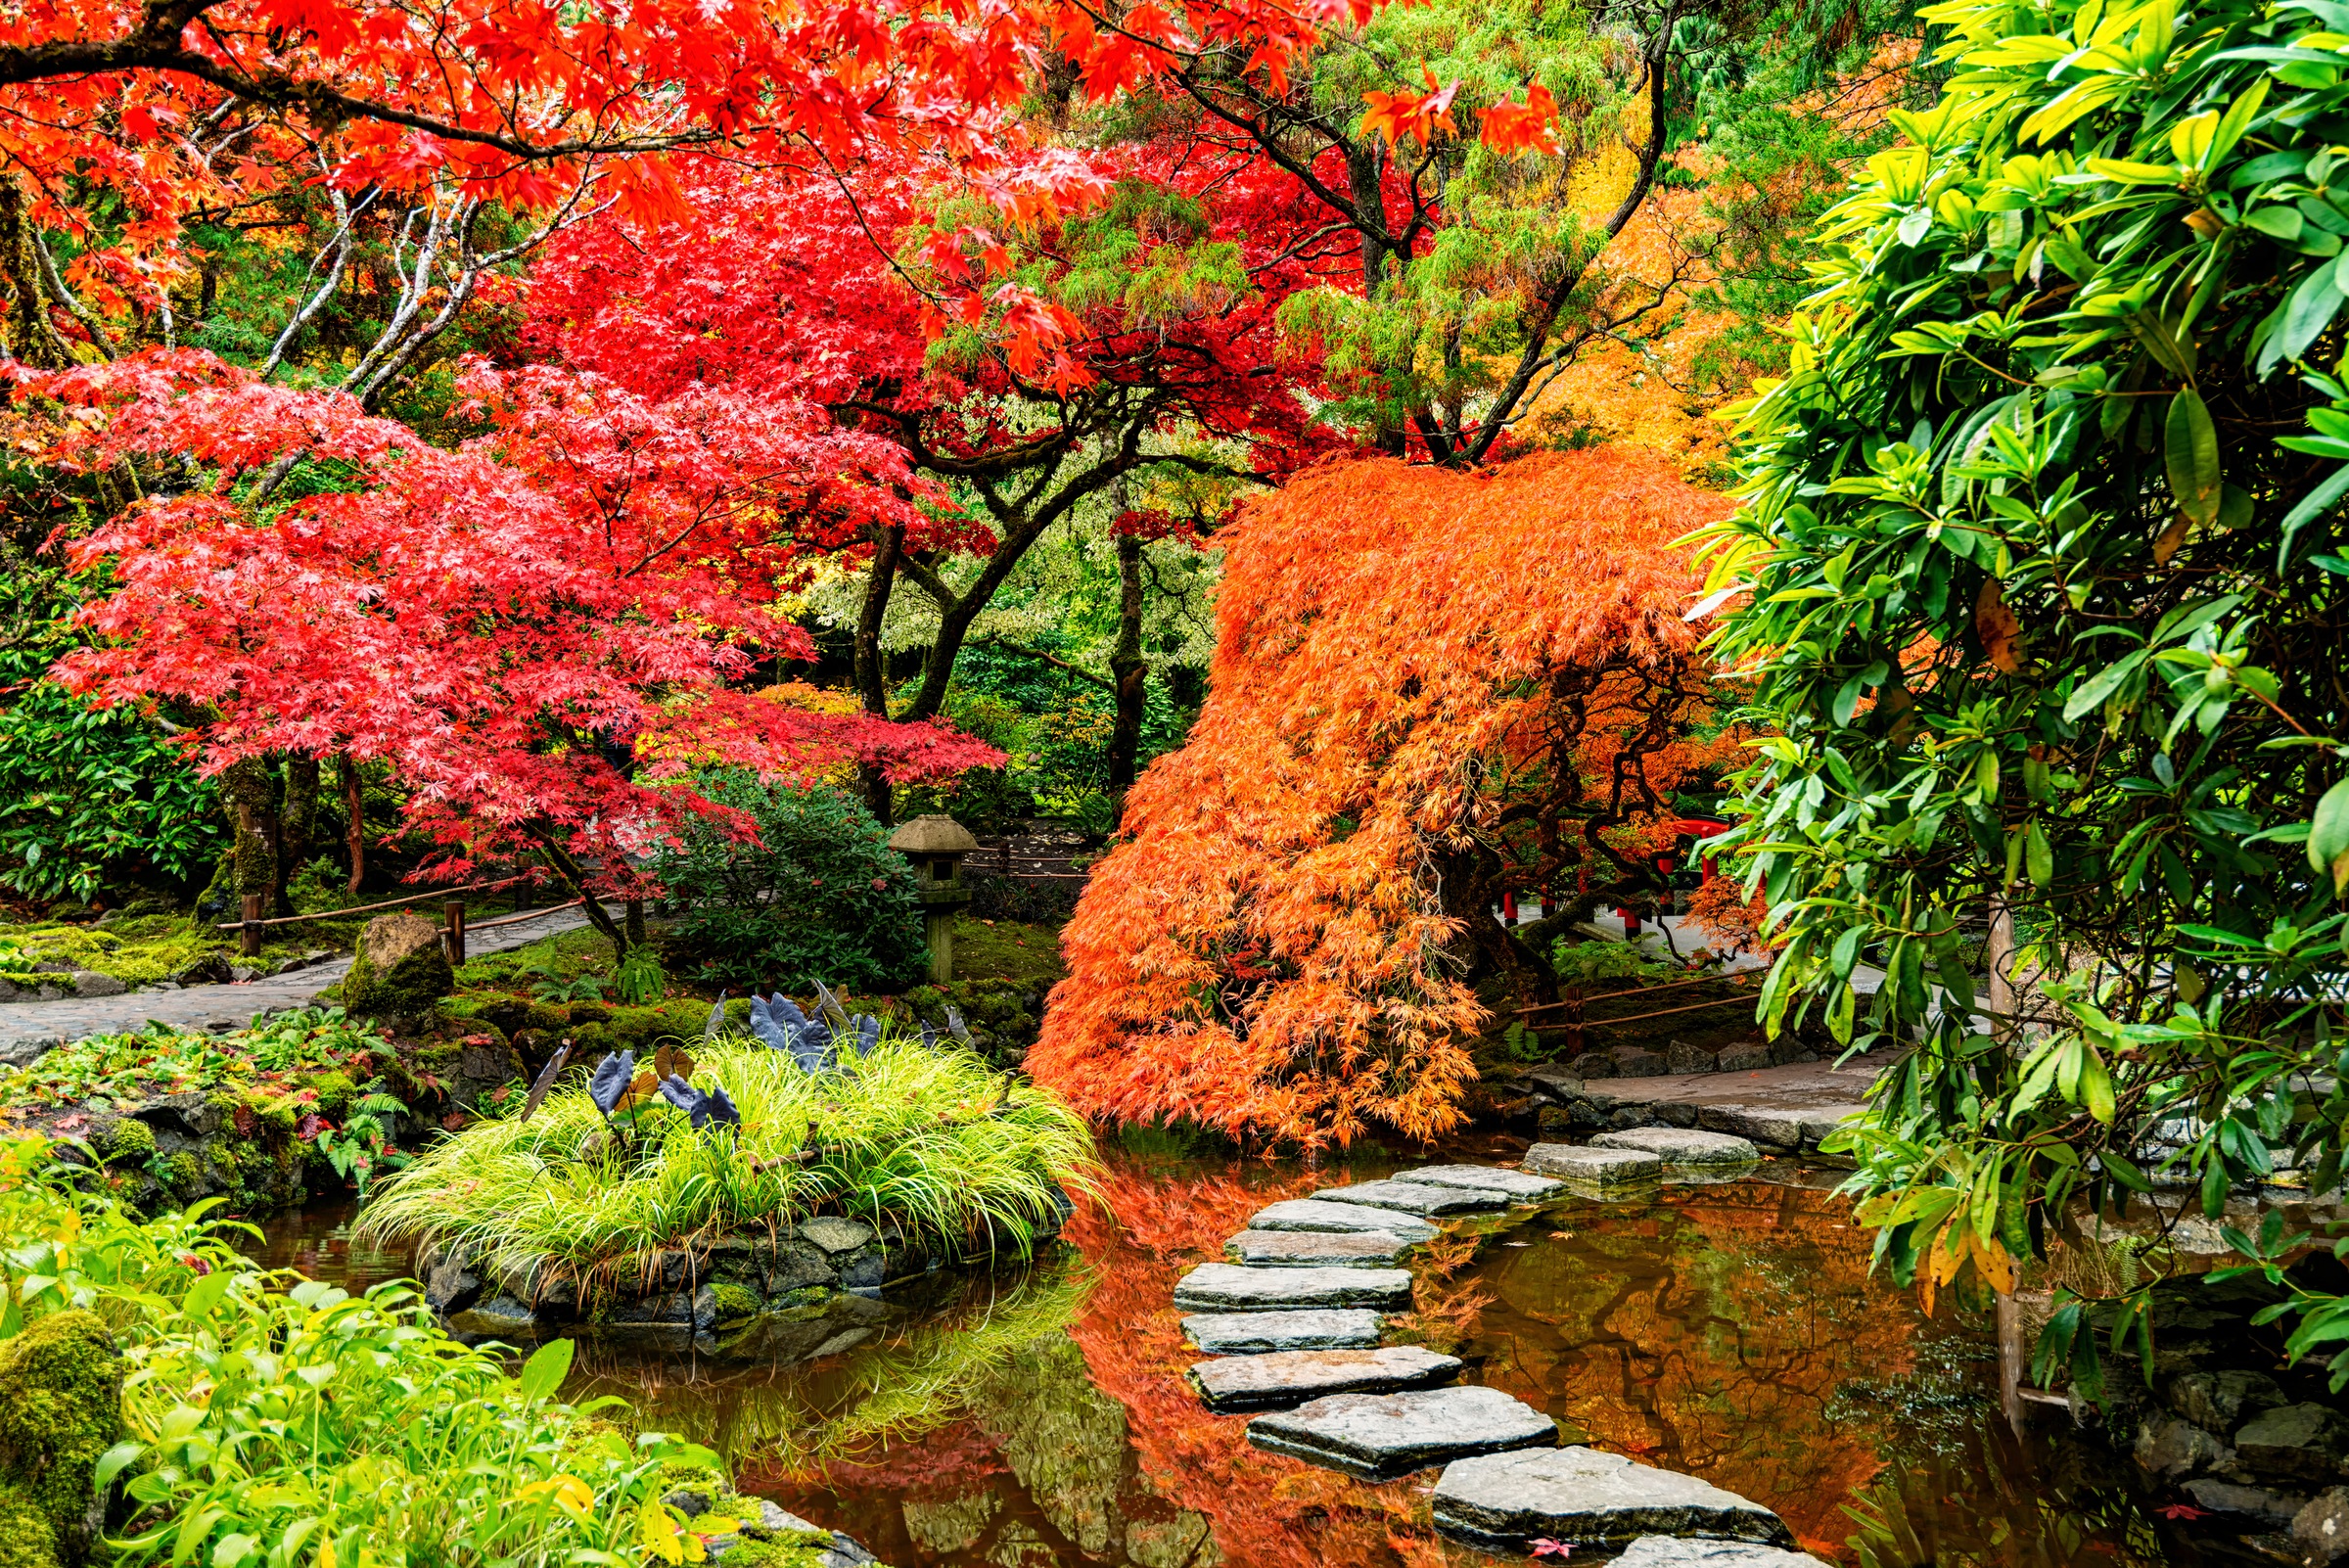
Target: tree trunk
{"points": [[300, 816], [872, 662], [1128, 670], [354, 819], [252, 796]]}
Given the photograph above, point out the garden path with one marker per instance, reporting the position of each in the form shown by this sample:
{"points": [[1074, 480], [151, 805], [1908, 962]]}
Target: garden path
{"points": [[28, 1029]]}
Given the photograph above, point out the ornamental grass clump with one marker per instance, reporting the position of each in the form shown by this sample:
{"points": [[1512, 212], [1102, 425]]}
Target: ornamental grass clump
{"points": [[927, 1138]]}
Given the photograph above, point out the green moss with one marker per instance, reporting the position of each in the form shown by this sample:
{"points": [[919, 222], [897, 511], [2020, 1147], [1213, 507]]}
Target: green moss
{"points": [[779, 1548], [137, 952], [335, 1092], [130, 1140], [60, 1407], [183, 1173], [736, 1302], [410, 989], [275, 1114]]}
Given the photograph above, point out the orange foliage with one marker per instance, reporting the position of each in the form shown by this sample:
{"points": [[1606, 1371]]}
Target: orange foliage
{"points": [[1725, 914], [1428, 687]]}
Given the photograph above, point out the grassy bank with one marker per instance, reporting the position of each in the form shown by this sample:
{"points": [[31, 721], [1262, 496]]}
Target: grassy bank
{"points": [[930, 1140], [220, 1413]]}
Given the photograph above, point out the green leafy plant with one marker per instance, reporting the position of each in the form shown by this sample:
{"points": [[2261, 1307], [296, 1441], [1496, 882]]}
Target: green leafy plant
{"points": [[120, 1070], [363, 1143], [277, 1421], [640, 981], [819, 896], [932, 1139], [554, 986], [2040, 576], [1586, 963]]}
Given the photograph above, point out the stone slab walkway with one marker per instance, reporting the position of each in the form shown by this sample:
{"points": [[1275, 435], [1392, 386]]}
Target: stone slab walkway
{"points": [[29, 1029]]}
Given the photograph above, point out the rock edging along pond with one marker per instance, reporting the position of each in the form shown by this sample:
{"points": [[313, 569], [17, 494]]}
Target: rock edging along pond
{"points": [[1332, 1397]]}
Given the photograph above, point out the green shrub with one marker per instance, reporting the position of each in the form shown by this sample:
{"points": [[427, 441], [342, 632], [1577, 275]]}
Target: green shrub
{"points": [[820, 897], [273, 1419], [933, 1140], [1586, 963], [287, 1051]]}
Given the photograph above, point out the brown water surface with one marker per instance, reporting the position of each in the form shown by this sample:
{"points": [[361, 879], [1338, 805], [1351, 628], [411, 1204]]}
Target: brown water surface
{"points": [[1038, 1417]]}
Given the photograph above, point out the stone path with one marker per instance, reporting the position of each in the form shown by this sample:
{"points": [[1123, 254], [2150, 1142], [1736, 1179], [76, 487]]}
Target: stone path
{"points": [[1782, 1110], [28, 1029], [1293, 1325]]}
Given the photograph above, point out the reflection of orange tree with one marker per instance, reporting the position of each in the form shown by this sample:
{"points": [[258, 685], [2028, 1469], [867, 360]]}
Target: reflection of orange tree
{"points": [[1267, 1511], [1712, 1335]]}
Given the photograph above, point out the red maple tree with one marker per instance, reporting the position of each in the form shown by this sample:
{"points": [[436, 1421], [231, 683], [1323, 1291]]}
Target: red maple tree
{"points": [[540, 631]]}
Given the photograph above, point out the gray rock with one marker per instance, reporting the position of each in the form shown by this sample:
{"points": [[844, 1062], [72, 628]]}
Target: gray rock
{"points": [[2297, 1441], [1316, 1249], [90, 983], [1782, 1130], [1520, 1185], [2220, 1402], [1596, 1064], [1412, 1197], [1632, 1062], [1681, 1148], [1284, 1378], [499, 1318], [1226, 1287], [2224, 1497], [836, 1235], [1589, 1499], [1597, 1167], [1378, 1437], [242, 974], [1311, 1214], [1746, 1056], [2174, 1450], [449, 1286], [2321, 1530], [1681, 1056], [1670, 1552], [1259, 1333]]}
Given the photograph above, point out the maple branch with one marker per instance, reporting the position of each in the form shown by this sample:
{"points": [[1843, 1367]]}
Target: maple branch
{"points": [[1553, 300]]}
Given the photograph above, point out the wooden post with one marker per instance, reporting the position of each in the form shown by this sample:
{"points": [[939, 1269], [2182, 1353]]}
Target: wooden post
{"points": [[454, 936], [249, 935]]}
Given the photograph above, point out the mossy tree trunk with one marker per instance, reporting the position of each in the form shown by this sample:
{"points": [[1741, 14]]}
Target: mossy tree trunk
{"points": [[1128, 670], [355, 812], [297, 825], [251, 794], [574, 876]]}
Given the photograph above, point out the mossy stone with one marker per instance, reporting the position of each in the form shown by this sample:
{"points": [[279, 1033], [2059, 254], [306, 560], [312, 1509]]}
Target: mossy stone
{"points": [[401, 971], [61, 1408], [132, 1140]]}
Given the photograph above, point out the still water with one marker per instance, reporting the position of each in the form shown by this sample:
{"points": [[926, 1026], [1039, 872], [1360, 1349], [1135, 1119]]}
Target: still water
{"points": [[1038, 1417]]}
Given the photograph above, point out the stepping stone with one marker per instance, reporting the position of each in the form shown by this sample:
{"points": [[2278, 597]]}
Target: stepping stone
{"points": [[1681, 1147], [1291, 1378], [1311, 1214], [1316, 1249], [1599, 1168], [1378, 1437], [1413, 1197], [1777, 1129], [1592, 1501], [1228, 1287], [1259, 1333], [1669, 1551], [1516, 1184]]}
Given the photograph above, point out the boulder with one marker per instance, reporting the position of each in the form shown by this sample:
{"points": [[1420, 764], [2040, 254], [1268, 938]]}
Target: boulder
{"points": [[834, 1235], [89, 983], [1316, 1249], [1261, 1333], [401, 971], [1311, 1214], [2295, 1443], [1674, 1551], [450, 1285], [501, 1316], [2321, 1530], [61, 1408], [2174, 1450], [1632, 1062], [1746, 1056], [1595, 1167], [2220, 1402], [2263, 1508], [1683, 1148], [1518, 1186], [1590, 1500], [1683, 1056], [1378, 1437], [1412, 1197], [1283, 1378], [1225, 1287]]}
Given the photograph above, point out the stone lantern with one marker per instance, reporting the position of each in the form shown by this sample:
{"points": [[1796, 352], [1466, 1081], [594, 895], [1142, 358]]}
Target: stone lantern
{"points": [[936, 845]]}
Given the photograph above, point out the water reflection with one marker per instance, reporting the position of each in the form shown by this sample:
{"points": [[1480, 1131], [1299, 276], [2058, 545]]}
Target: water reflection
{"points": [[1040, 1417]]}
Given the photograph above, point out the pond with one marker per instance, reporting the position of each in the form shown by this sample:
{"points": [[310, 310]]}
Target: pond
{"points": [[1039, 1418]]}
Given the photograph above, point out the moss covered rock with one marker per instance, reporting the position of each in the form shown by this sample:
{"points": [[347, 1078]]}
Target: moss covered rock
{"points": [[61, 1408], [401, 971]]}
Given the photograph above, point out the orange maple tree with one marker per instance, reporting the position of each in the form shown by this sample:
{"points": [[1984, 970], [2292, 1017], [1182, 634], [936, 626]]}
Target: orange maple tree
{"points": [[1428, 688]]}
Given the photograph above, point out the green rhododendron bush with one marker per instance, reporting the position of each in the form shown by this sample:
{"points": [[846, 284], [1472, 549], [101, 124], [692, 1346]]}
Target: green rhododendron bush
{"points": [[2040, 571]]}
